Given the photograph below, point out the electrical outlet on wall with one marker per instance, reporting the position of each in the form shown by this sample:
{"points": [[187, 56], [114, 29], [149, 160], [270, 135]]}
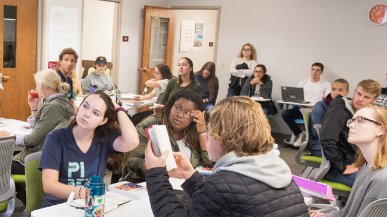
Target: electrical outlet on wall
{"points": [[222, 64]]}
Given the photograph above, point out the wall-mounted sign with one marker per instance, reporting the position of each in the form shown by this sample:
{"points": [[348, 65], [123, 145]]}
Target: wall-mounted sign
{"points": [[378, 14], [191, 36]]}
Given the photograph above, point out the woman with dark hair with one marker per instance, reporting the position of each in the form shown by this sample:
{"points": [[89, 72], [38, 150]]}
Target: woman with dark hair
{"points": [[249, 178], [184, 118], [162, 75], [72, 155], [209, 84], [260, 85], [186, 80]]}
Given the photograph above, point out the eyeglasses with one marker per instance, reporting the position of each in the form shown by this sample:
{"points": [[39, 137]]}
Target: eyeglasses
{"points": [[358, 120], [246, 49], [259, 72], [178, 110], [156, 73]]}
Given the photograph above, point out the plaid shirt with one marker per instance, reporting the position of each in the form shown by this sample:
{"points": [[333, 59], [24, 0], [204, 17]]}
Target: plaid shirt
{"points": [[135, 163]]}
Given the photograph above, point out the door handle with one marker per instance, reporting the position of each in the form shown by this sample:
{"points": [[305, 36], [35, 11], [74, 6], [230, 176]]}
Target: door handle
{"points": [[143, 69]]}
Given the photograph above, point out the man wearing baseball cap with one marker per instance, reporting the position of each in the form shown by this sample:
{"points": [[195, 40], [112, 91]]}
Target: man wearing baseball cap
{"points": [[98, 80]]}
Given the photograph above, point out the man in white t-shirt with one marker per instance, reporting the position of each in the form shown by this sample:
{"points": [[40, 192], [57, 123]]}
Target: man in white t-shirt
{"points": [[315, 90]]}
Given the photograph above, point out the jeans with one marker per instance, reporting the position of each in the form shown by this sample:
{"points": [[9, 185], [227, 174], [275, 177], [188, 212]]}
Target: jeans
{"points": [[316, 153], [289, 116], [265, 110], [316, 117], [231, 93], [209, 106], [335, 176]]}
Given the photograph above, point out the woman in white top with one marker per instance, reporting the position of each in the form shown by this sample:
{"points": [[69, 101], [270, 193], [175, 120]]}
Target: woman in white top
{"points": [[368, 131], [159, 82], [241, 68]]}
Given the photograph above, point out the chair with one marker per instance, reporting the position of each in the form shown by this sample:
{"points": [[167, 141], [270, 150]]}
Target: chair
{"points": [[107, 71], [375, 209], [34, 185], [7, 185], [303, 126], [302, 156]]}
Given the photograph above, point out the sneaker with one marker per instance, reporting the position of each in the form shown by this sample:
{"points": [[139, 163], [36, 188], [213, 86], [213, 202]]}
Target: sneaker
{"points": [[300, 139]]}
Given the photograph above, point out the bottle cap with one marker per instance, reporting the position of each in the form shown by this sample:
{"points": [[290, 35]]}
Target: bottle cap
{"points": [[95, 179]]}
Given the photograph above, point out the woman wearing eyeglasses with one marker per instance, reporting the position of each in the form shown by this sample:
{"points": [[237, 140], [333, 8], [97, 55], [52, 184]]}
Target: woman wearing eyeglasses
{"points": [[261, 85], [162, 75], [184, 116], [241, 68], [368, 131]]}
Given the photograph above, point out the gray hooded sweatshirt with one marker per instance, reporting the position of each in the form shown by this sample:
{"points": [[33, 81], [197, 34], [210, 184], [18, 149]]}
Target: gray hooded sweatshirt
{"points": [[268, 168], [103, 82]]}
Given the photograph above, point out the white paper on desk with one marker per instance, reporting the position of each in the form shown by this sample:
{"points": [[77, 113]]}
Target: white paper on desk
{"points": [[257, 98], [127, 95]]}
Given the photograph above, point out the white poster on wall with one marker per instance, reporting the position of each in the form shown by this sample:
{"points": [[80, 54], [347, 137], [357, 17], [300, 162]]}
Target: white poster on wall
{"points": [[191, 36], [63, 30]]}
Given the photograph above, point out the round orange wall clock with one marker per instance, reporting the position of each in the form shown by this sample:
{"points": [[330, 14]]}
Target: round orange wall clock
{"points": [[378, 14]]}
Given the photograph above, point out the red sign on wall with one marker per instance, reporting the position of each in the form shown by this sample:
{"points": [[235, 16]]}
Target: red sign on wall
{"points": [[52, 64]]}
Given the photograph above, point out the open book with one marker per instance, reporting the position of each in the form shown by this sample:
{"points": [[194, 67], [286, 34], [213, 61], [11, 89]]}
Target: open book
{"points": [[158, 134]]}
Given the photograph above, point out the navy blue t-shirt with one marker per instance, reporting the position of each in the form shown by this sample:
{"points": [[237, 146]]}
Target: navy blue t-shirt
{"points": [[61, 153], [69, 94]]}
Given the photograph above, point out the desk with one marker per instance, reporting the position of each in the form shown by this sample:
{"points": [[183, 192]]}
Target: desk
{"points": [[296, 103], [14, 126], [260, 99], [135, 207], [79, 100]]}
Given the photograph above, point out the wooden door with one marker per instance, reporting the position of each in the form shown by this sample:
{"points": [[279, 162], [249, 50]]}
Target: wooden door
{"points": [[157, 42], [18, 28]]}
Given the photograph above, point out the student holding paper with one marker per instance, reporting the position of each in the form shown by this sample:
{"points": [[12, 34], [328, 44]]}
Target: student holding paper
{"points": [[185, 121], [75, 153], [368, 131], [249, 178]]}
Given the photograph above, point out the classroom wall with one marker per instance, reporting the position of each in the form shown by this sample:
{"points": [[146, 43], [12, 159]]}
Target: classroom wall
{"points": [[209, 17], [130, 52], [97, 30], [290, 35]]}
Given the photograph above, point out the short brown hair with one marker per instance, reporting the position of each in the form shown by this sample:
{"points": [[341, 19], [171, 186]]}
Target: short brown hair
{"points": [[253, 55], [370, 86], [240, 125], [342, 81], [380, 158], [65, 51]]}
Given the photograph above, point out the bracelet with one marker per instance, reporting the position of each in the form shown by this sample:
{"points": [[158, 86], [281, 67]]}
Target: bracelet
{"points": [[203, 133], [80, 192], [120, 109]]}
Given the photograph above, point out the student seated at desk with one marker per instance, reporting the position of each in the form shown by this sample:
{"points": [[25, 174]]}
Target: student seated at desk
{"points": [[249, 178], [334, 132], [185, 82], [260, 84], [339, 87], [75, 153], [184, 117], [209, 84], [162, 75], [98, 77], [56, 109], [368, 131], [314, 90]]}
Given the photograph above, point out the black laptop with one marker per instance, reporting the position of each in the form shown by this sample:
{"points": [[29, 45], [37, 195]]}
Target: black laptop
{"points": [[293, 94]]}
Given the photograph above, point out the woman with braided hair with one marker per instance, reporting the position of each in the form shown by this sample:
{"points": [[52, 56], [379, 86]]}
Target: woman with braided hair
{"points": [[184, 117]]}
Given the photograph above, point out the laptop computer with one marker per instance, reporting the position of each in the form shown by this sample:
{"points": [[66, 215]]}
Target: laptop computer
{"points": [[293, 94]]}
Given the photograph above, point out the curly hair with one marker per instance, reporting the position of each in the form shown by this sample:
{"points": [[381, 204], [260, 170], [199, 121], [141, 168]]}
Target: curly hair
{"points": [[212, 79], [102, 132], [239, 124], [65, 51], [190, 136]]}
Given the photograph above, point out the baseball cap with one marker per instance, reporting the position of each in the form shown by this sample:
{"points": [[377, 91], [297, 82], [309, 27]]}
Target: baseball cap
{"points": [[100, 60]]}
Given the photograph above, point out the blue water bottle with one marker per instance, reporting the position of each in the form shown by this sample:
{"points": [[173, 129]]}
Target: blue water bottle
{"points": [[95, 197]]}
